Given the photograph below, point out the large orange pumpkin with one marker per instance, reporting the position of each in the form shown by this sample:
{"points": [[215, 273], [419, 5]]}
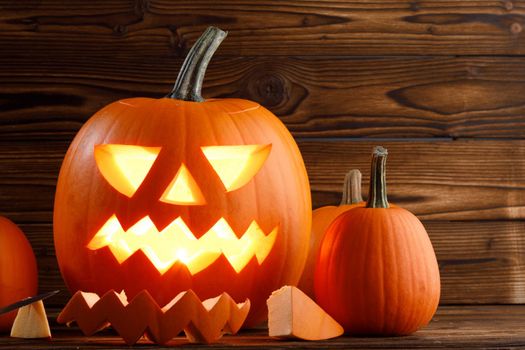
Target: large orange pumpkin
{"points": [[18, 272], [377, 272], [179, 193], [322, 218]]}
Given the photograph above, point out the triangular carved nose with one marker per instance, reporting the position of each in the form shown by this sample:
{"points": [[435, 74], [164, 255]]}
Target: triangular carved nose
{"points": [[183, 189]]}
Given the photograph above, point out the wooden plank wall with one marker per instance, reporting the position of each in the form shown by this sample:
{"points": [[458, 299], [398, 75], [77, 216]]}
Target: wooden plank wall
{"points": [[440, 83]]}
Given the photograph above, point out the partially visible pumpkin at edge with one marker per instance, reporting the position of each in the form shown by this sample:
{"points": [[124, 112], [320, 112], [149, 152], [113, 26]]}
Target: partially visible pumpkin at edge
{"points": [[18, 270]]}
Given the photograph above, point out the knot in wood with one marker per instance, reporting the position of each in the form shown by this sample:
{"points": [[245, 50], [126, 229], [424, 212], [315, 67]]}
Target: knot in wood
{"points": [[120, 29], [516, 28], [270, 89]]}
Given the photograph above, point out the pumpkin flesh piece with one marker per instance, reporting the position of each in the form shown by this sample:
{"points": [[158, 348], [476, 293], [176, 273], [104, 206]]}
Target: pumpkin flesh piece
{"points": [[31, 322], [292, 314]]}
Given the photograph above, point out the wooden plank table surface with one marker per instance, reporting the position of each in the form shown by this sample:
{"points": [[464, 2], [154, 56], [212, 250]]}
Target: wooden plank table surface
{"points": [[458, 327]]}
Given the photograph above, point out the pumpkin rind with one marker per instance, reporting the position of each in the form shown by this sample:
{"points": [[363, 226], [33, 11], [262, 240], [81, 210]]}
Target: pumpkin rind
{"points": [[377, 272], [18, 270], [277, 196]]}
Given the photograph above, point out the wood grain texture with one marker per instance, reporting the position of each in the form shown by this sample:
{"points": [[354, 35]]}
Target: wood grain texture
{"points": [[480, 262], [465, 327], [455, 180], [418, 97], [275, 27], [437, 180]]}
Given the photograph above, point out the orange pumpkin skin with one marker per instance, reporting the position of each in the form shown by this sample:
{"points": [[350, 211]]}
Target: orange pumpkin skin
{"points": [[278, 196], [321, 220], [377, 272], [18, 270]]}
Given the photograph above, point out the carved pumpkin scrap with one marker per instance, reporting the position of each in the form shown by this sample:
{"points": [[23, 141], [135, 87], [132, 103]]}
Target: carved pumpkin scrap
{"points": [[377, 272], [179, 193], [31, 322], [202, 322], [292, 314]]}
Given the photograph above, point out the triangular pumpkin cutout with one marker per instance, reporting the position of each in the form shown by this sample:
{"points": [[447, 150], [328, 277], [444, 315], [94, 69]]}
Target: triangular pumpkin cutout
{"points": [[183, 189], [125, 166], [292, 314], [236, 165], [31, 322]]}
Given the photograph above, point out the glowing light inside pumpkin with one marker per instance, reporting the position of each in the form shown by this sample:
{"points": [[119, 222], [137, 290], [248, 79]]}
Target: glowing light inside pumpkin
{"points": [[124, 166], [177, 243], [183, 189], [236, 165]]}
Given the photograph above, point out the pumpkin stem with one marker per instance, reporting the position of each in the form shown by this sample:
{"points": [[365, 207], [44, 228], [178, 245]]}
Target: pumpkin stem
{"points": [[189, 82], [352, 188], [377, 194]]}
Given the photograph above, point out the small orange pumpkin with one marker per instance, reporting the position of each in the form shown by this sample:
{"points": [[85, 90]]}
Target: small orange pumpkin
{"points": [[322, 218], [18, 272], [377, 273]]}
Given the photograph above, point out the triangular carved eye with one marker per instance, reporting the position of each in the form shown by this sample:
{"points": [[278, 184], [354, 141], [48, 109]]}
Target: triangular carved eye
{"points": [[124, 166], [236, 165], [183, 189]]}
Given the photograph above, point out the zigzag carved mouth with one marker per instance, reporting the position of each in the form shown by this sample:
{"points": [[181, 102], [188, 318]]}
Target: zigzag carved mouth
{"points": [[176, 243]]}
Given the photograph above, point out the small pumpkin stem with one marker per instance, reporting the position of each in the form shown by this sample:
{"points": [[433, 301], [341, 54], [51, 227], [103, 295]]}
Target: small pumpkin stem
{"points": [[377, 194], [189, 82], [352, 188]]}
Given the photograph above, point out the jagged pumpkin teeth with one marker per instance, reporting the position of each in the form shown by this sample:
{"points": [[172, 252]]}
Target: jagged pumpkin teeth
{"points": [[177, 243]]}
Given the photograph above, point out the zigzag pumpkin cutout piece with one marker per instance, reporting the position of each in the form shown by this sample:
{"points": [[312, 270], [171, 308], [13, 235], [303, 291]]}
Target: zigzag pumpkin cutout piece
{"points": [[202, 322]]}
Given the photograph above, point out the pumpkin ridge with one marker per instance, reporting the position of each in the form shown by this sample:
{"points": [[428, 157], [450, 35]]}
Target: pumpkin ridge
{"points": [[414, 318], [383, 272], [406, 256], [427, 302], [367, 238], [413, 283], [334, 262], [425, 242], [422, 265], [395, 272]]}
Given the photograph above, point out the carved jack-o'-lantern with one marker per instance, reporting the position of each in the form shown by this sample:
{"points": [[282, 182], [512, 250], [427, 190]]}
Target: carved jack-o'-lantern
{"points": [[177, 193]]}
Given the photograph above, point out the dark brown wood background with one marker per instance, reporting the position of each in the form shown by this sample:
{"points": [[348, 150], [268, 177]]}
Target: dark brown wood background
{"points": [[440, 83]]}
